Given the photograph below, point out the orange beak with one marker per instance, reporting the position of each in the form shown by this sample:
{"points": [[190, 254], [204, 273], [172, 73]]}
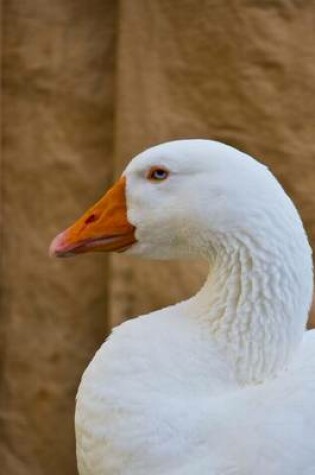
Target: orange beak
{"points": [[104, 227]]}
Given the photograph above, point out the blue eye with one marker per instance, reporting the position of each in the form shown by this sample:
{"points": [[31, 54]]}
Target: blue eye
{"points": [[157, 174]]}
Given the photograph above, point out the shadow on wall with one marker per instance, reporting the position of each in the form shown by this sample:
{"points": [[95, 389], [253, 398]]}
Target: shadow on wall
{"points": [[311, 322]]}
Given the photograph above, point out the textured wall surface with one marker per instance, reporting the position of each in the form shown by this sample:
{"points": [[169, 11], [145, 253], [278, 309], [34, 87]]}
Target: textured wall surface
{"points": [[84, 79], [236, 72], [58, 130]]}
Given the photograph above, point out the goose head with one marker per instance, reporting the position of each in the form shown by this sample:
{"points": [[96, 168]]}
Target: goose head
{"points": [[183, 199]]}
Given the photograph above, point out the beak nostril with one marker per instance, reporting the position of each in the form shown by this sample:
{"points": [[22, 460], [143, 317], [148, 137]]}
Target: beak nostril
{"points": [[90, 219]]}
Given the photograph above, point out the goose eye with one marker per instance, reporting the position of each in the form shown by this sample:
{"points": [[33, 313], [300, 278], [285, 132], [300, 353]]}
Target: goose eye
{"points": [[157, 174]]}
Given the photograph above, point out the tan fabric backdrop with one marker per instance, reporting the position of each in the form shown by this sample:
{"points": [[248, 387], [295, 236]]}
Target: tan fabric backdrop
{"points": [[87, 84]]}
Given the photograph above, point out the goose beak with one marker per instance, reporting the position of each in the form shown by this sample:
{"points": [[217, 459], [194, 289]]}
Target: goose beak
{"points": [[104, 227]]}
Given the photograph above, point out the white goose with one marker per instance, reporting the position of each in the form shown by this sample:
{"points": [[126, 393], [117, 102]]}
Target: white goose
{"points": [[223, 383]]}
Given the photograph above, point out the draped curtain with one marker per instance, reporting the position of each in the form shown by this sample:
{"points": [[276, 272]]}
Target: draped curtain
{"points": [[86, 85]]}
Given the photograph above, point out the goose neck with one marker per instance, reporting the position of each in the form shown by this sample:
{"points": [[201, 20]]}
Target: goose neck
{"points": [[254, 303]]}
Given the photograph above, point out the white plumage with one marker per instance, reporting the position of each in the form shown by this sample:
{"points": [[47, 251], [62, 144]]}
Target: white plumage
{"points": [[223, 383]]}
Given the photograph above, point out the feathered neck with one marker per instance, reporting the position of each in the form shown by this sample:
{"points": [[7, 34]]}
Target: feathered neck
{"points": [[256, 299]]}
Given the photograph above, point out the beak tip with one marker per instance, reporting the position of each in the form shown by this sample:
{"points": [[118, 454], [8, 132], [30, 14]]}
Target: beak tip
{"points": [[57, 245]]}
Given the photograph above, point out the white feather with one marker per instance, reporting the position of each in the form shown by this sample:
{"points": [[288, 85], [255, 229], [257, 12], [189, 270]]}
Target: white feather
{"points": [[223, 383]]}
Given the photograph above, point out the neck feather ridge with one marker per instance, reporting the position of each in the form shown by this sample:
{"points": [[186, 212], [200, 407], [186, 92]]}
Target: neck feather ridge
{"points": [[255, 302]]}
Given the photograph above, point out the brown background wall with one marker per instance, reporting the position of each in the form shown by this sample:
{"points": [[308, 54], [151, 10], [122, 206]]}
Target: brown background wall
{"points": [[87, 84]]}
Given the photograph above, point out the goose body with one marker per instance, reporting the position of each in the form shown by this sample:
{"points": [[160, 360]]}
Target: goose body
{"points": [[164, 410], [222, 383]]}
